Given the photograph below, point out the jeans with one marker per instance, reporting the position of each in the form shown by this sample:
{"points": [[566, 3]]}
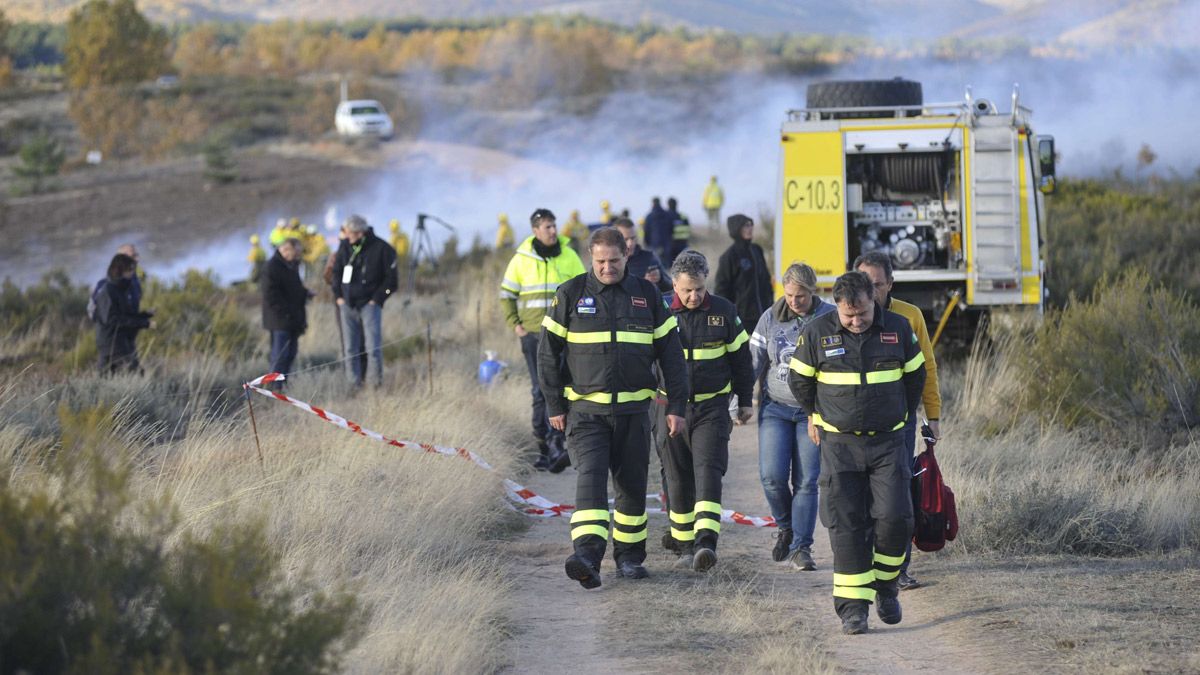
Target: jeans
{"points": [[910, 443], [789, 463], [284, 344], [542, 430], [358, 325]]}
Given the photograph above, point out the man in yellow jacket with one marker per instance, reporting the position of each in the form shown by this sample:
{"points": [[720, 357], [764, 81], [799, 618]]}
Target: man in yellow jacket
{"points": [[399, 241], [878, 266], [714, 199], [542, 262], [577, 231], [257, 259]]}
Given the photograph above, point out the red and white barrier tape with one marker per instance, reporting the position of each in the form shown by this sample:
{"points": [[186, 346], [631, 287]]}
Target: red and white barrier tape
{"points": [[529, 501]]}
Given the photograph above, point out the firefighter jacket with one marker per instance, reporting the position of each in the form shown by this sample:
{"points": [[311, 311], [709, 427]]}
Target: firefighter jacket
{"points": [[681, 228], [930, 396], [714, 196], [599, 346], [858, 382], [504, 235], [715, 347], [531, 279]]}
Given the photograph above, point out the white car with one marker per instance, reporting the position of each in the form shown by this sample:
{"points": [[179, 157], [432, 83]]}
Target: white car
{"points": [[363, 118]]}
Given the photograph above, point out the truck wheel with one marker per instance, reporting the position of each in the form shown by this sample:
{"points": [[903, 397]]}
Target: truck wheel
{"points": [[864, 94]]}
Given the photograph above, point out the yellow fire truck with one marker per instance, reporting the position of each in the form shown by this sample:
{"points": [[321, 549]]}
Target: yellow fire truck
{"points": [[952, 192]]}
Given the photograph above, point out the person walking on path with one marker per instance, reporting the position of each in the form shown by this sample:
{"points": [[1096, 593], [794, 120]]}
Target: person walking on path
{"points": [[658, 229], [718, 363], [541, 264], [860, 372], [364, 277], [681, 230], [284, 299], [742, 273], [603, 335], [788, 460], [641, 262], [878, 267], [714, 199]]}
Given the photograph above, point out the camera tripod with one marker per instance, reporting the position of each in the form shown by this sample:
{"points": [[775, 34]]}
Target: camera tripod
{"points": [[423, 250]]}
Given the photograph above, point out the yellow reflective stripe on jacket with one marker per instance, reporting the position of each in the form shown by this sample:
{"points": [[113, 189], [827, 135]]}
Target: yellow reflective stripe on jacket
{"points": [[706, 354], [635, 338], [704, 397], [585, 515], [666, 327], [839, 378], [801, 368], [631, 521], [583, 530], [554, 327], [589, 338], [820, 422], [882, 376], [915, 362], [737, 343], [605, 398]]}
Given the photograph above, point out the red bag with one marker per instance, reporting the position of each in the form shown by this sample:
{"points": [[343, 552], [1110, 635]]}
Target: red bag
{"points": [[935, 520]]}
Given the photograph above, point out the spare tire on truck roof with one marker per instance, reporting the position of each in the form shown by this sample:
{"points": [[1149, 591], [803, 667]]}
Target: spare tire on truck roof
{"points": [[864, 94]]}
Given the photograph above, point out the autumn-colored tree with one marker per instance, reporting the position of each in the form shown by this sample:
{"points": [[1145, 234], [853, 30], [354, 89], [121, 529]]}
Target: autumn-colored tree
{"points": [[6, 67], [111, 43]]}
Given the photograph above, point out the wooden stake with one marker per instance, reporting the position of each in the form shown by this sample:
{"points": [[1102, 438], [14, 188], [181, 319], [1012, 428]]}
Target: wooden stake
{"points": [[254, 425]]}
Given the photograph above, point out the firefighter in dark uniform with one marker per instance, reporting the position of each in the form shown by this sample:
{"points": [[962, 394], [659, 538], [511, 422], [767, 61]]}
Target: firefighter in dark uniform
{"points": [[860, 372], [600, 340], [718, 361]]}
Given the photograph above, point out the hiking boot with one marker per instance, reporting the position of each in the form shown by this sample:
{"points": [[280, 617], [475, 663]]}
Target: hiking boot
{"points": [[543, 460], [887, 608], [854, 620], [783, 542], [670, 543], [631, 570], [801, 559], [704, 560], [907, 583], [586, 573], [559, 462]]}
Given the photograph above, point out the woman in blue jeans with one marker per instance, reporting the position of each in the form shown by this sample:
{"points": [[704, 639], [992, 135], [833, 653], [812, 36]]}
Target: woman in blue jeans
{"points": [[788, 461]]}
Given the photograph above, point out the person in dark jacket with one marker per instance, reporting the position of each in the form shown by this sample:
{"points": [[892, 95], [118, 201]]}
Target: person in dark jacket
{"points": [[718, 362], [119, 318], [681, 230], [742, 273], [658, 229], [601, 338], [642, 263], [364, 277], [284, 297]]}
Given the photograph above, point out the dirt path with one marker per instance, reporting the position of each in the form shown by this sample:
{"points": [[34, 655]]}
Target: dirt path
{"points": [[559, 626]]}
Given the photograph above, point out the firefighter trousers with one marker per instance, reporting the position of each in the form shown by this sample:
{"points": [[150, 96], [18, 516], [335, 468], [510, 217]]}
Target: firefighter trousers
{"points": [[599, 444], [866, 503], [695, 463]]}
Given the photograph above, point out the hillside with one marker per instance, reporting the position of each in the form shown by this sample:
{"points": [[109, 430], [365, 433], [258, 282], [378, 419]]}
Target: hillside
{"points": [[1086, 23]]}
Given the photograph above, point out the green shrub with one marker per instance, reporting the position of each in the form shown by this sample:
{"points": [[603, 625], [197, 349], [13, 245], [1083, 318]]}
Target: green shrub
{"points": [[41, 158], [1128, 359], [196, 316], [90, 584]]}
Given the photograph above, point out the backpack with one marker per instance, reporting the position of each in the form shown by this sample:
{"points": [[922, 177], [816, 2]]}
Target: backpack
{"points": [[935, 519], [91, 306]]}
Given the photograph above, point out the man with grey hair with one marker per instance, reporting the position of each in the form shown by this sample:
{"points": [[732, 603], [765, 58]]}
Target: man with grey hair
{"points": [[364, 277], [714, 347]]}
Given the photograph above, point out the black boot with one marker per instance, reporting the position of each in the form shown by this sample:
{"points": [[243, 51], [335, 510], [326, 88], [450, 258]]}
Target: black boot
{"points": [[631, 570], [559, 459], [704, 559], [887, 603], [543, 461], [783, 542], [585, 572], [854, 618]]}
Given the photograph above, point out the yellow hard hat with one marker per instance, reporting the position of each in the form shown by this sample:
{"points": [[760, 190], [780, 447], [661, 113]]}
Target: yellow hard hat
{"points": [[254, 239], [395, 225], [294, 222], [575, 215], [504, 217], [604, 204]]}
